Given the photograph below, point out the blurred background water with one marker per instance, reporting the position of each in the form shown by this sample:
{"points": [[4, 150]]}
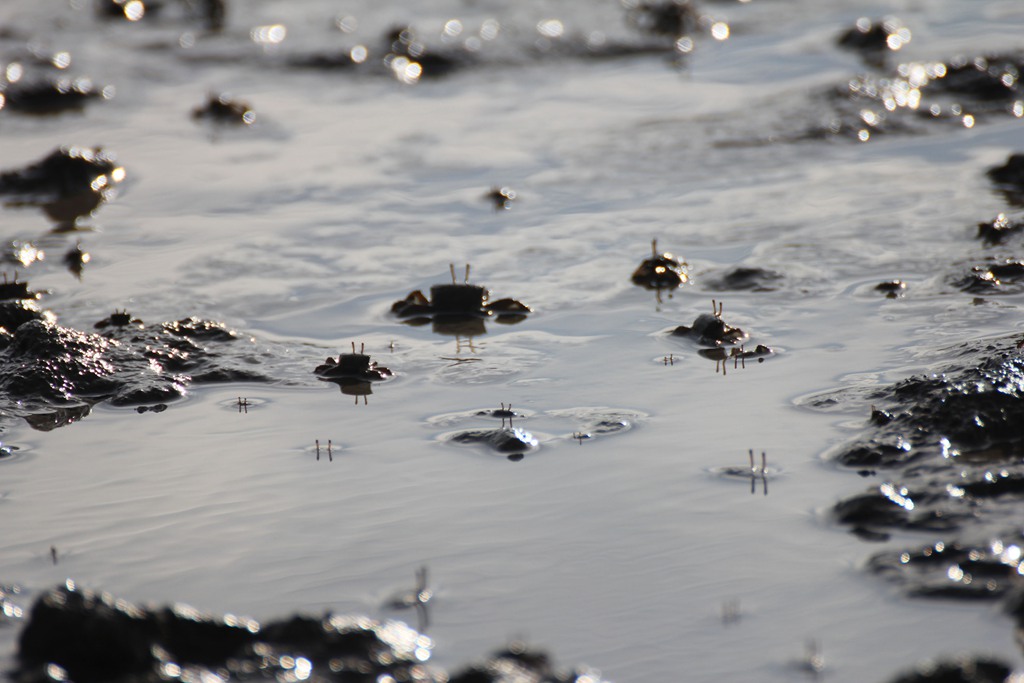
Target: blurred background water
{"points": [[353, 188]]}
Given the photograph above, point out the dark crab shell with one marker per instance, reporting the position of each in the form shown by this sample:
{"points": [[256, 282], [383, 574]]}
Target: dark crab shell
{"points": [[710, 329]]}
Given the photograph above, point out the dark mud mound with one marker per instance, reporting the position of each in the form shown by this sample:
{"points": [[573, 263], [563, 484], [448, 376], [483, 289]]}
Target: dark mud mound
{"points": [[963, 670], [48, 97], [78, 635], [971, 410], [48, 370], [67, 184], [949, 446]]}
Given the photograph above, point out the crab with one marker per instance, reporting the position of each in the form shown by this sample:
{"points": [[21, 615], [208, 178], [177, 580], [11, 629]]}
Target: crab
{"points": [[661, 271], [458, 306], [118, 319], [353, 366], [709, 328], [222, 109]]}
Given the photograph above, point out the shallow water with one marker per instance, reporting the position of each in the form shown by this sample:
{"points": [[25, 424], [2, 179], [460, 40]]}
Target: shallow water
{"points": [[351, 190]]}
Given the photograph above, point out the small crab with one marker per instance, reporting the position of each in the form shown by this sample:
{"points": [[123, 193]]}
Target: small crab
{"points": [[118, 319], [501, 197], [455, 303], [222, 109], [11, 290], [893, 288], [356, 366], [709, 328], [661, 271]]}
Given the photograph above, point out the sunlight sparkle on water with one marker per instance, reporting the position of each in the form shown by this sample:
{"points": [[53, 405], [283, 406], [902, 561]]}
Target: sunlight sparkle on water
{"points": [[271, 34]]}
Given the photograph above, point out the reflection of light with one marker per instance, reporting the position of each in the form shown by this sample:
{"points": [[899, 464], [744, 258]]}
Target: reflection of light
{"points": [[899, 496], [1018, 109], [404, 69], [61, 60], [358, 54], [898, 39], [684, 45], [56, 672], [550, 28], [720, 30], [303, 667], [187, 40], [489, 29], [968, 121], [452, 28], [14, 72], [3, 100], [134, 10], [271, 34], [118, 174], [347, 24], [955, 573], [869, 117]]}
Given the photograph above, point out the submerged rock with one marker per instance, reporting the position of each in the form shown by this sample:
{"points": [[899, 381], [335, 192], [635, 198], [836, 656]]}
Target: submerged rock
{"points": [[75, 634]]}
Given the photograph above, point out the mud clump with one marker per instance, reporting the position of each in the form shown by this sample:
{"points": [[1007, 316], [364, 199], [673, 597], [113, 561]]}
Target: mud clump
{"points": [[89, 637], [874, 39], [50, 97], [744, 278], [998, 229], [948, 447], [1009, 178], [51, 375], [69, 183], [1001, 276], [961, 670]]}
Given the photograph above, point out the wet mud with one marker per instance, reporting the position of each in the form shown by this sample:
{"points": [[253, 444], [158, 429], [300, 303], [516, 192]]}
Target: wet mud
{"points": [[946, 450], [52, 375], [79, 635]]}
